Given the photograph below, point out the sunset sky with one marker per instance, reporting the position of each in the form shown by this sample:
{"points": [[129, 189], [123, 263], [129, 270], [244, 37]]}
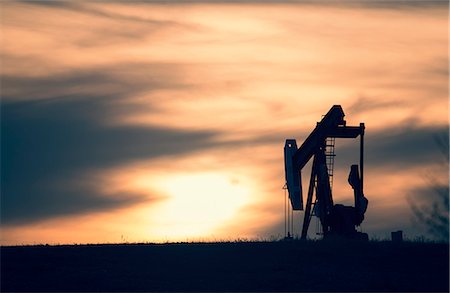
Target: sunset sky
{"points": [[166, 121]]}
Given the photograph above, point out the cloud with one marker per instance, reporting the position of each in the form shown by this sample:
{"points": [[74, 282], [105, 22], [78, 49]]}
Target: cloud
{"points": [[85, 8], [365, 104], [398, 4], [101, 25], [404, 146], [120, 80], [49, 142], [365, 3]]}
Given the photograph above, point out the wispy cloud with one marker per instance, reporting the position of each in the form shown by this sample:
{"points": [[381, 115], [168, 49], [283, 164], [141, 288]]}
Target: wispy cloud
{"points": [[85, 7], [116, 81]]}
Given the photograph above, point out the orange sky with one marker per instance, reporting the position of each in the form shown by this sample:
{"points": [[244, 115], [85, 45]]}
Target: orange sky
{"points": [[168, 120]]}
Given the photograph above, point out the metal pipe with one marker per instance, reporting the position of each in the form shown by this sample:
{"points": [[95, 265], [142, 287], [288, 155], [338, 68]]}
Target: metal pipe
{"points": [[307, 216], [361, 155]]}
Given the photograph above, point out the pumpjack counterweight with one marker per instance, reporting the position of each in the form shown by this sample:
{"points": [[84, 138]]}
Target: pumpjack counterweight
{"points": [[335, 219]]}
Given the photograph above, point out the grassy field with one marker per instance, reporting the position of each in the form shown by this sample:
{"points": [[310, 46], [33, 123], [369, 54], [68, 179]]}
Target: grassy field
{"points": [[240, 266]]}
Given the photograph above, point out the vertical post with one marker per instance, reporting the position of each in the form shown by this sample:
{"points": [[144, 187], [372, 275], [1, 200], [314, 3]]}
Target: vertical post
{"points": [[285, 212], [288, 220], [361, 155], [292, 222]]}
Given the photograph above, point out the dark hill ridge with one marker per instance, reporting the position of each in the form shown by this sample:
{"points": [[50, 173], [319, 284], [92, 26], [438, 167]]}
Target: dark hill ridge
{"points": [[240, 266]]}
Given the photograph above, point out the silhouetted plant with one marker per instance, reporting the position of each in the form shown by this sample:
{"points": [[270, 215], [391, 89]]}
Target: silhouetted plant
{"points": [[435, 215]]}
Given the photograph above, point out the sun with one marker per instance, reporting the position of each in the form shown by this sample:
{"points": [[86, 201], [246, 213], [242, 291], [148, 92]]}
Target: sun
{"points": [[198, 203]]}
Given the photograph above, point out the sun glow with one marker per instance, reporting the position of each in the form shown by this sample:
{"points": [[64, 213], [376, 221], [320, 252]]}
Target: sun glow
{"points": [[198, 203]]}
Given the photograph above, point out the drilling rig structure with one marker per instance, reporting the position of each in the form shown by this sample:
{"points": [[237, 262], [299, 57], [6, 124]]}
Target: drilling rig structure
{"points": [[336, 220]]}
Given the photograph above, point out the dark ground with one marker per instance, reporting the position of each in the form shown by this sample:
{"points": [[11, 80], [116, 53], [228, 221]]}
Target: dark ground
{"points": [[241, 266]]}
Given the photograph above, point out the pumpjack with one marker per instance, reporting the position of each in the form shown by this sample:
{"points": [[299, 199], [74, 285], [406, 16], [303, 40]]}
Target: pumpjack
{"points": [[336, 220]]}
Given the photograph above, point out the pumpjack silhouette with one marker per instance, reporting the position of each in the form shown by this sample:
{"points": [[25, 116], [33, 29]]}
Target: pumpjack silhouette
{"points": [[336, 220]]}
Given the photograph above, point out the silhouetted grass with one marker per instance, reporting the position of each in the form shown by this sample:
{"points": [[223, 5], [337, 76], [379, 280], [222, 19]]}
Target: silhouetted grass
{"points": [[228, 266]]}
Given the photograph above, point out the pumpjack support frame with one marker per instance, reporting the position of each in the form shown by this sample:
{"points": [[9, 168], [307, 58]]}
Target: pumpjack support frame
{"points": [[335, 219]]}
